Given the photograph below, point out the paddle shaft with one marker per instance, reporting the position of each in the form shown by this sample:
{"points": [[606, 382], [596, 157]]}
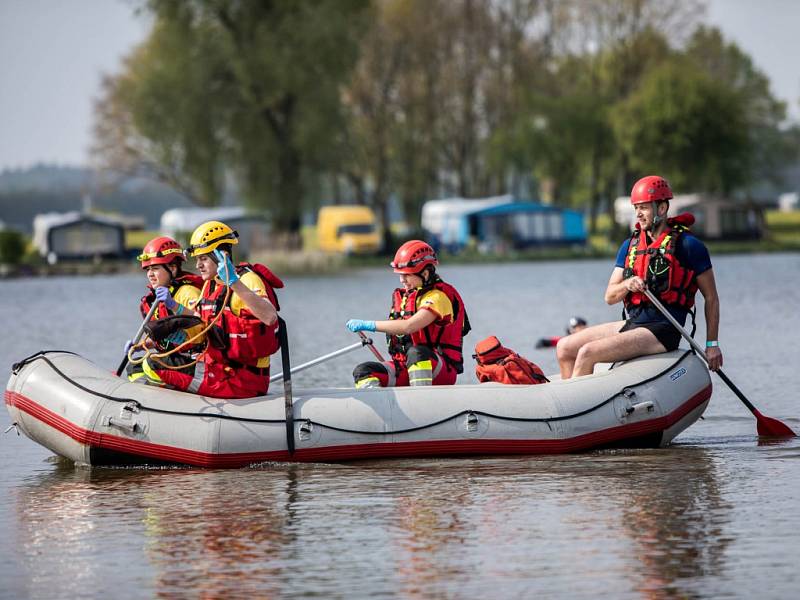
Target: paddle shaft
{"points": [[657, 303], [324, 358], [368, 342], [283, 338], [138, 336], [663, 309]]}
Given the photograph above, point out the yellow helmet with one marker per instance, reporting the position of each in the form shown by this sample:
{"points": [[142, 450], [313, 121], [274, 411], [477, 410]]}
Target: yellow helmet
{"points": [[210, 235]]}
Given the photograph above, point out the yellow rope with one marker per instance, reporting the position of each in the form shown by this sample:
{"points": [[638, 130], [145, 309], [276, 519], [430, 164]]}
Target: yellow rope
{"points": [[148, 352]]}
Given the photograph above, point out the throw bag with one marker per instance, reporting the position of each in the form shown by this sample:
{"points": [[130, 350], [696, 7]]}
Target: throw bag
{"points": [[503, 365]]}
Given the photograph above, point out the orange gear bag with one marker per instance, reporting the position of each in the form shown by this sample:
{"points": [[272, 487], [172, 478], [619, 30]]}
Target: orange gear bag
{"points": [[503, 365]]}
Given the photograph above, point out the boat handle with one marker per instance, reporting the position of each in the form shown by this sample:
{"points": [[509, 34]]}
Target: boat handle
{"points": [[109, 421], [647, 406]]}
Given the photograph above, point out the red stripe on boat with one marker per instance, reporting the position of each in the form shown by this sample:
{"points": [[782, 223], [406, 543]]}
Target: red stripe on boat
{"points": [[356, 451]]}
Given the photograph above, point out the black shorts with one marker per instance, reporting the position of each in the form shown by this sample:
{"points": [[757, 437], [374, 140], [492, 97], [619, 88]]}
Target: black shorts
{"points": [[664, 331]]}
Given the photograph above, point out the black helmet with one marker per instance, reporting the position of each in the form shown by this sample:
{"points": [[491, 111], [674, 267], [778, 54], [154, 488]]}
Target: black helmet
{"points": [[575, 322]]}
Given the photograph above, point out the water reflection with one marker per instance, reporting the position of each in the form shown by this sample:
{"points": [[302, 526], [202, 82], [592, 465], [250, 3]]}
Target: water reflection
{"points": [[676, 518], [642, 523]]}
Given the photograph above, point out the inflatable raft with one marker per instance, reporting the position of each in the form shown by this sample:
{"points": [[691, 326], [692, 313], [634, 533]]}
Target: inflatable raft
{"points": [[85, 413]]}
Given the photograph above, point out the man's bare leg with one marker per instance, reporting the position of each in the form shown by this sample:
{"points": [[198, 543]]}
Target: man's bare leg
{"points": [[620, 346], [568, 346]]}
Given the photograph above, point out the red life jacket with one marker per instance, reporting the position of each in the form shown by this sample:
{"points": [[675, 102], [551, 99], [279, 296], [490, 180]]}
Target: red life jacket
{"points": [[242, 339], [658, 266], [503, 365], [445, 339], [161, 312]]}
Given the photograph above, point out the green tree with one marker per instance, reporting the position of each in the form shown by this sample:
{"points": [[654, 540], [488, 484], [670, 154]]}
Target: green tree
{"points": [[725, 63], [149, 122], [687, 126], [266, 78]]}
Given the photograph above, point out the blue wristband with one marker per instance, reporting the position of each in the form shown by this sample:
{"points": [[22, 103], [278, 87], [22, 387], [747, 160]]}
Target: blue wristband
{"points": [[712, 344]]}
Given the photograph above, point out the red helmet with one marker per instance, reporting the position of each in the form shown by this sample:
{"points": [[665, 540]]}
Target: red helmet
{"points": [[412, 257], [650, 189], [160, 251]]}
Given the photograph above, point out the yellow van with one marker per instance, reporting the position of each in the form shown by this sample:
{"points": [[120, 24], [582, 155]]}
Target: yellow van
{"points": [[350, 229]]}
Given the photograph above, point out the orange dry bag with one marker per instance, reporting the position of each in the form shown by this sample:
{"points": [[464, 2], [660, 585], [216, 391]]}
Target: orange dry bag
{"points": [[503, 365]]}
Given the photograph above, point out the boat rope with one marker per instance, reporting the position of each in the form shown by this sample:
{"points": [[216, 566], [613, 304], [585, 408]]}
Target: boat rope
{"points": [[41, 355], [157, 356]]}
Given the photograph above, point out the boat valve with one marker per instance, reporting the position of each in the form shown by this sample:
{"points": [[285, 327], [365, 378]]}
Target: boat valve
{"points": [[132, 407], [472, 422], [305, 430]]}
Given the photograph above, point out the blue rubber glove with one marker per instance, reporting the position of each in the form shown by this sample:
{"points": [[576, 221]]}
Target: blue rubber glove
{"points": [[225, 269], [355, 325], [163, 295]]}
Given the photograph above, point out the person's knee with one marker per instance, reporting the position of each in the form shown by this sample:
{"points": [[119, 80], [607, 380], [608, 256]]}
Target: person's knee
{"points": [[565, 348], [417, 354], [369, 374], [422, 366], [587, 353]]}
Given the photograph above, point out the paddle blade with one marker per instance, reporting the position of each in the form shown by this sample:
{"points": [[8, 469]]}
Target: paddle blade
{"points": [[769, 427]]}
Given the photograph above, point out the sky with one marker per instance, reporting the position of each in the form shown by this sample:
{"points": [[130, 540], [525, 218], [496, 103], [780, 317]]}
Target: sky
{"points": [[53, 54]]}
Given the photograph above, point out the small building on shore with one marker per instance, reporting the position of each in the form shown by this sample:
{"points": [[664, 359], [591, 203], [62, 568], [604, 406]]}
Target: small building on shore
{"points": [[715, 218], [521, 225], [446, 221], [78, 236], [253, 230], [500, 223]]}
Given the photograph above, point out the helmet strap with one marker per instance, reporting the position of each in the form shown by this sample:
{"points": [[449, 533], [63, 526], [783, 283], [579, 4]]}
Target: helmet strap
{"points": [[168, 268], [658, 220]]}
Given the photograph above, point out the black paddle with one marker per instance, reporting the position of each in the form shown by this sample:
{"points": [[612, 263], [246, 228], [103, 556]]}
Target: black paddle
{"points": [[765, 426], [138, 336], [283, 338]]}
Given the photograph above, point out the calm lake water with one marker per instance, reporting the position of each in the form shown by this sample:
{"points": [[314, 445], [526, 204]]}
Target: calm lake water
{"points": [[715, 515]]}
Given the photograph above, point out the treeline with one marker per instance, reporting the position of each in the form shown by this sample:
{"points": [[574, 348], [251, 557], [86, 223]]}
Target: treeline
{"points": [[295, 100]]}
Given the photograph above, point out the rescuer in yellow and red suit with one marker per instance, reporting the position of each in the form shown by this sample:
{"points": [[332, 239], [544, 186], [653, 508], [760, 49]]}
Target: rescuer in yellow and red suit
{"points": [[426, 326]]}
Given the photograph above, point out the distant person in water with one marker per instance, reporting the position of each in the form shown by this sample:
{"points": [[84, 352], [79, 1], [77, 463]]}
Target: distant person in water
{"points": [[575, 324], [661, 256]]}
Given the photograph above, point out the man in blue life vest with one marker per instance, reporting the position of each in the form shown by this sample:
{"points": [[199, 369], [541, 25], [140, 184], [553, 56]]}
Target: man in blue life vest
{"points": [[663, 256]]}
